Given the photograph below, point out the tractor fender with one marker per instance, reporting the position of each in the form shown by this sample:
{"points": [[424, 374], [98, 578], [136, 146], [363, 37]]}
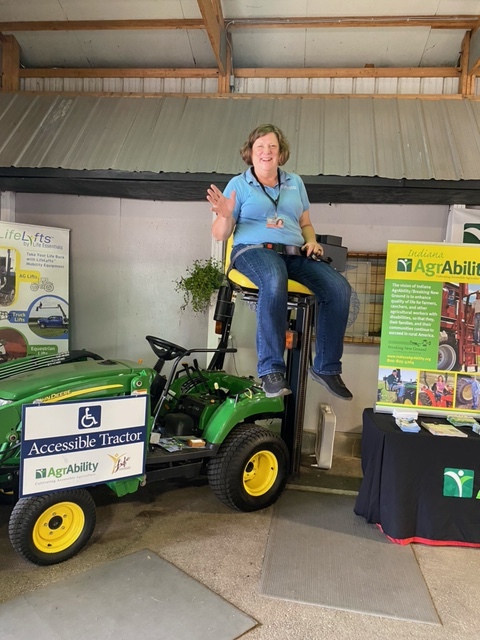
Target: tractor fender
{"points": [[234, 411]]}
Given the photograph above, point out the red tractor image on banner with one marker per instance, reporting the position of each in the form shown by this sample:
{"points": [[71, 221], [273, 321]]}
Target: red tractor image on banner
{"points": [[457, 349]]}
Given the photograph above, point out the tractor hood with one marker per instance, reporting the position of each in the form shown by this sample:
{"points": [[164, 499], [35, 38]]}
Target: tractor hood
{"points": [[71, 381]]}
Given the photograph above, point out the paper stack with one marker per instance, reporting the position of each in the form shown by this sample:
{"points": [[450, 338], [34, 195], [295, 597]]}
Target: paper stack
{"points": [[406, 420]]}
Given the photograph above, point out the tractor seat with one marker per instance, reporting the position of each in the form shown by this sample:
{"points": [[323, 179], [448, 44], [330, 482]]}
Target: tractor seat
{"points": [[242, 282]]}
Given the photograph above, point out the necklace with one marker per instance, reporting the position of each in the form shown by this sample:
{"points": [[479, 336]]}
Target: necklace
{"points": [[276, 200]]}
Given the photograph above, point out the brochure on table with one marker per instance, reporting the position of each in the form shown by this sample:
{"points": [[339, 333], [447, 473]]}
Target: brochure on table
{"points": [[34, 310], [428, 352]]}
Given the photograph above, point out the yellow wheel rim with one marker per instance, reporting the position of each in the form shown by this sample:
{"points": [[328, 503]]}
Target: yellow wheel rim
{"points": [[467, 393], [58, 527], [260, 473]]}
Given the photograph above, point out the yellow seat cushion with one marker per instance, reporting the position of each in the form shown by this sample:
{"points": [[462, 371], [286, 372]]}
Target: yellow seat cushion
{"points": [[236, 277]]}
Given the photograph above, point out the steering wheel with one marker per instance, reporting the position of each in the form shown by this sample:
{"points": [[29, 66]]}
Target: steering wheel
{"points": [[165, 350]]}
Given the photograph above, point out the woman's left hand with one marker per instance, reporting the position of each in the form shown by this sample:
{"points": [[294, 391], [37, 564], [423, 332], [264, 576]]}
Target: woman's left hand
{"points": [[313, 248]]}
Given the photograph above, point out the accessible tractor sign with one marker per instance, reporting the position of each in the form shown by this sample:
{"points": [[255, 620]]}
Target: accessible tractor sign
{"points": [[430, 343], [76, 444]]}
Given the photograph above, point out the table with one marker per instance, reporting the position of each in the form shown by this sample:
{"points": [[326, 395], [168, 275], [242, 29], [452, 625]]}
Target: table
{"points": [[410, 481]]}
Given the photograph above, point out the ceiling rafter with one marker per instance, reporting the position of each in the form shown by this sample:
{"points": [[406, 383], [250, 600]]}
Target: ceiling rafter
{"points": [[218, 31], [211, 11], [109, 72], [101, 25], [340, 72], [213, 19], [433, 22]]}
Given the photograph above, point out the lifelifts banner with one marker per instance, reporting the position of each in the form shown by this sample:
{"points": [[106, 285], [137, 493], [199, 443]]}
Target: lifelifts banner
{"points": [[34, 315], [430, 342]]}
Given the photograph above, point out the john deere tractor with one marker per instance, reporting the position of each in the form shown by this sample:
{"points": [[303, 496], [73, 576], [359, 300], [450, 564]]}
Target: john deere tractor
{"points": [[198, 421]]}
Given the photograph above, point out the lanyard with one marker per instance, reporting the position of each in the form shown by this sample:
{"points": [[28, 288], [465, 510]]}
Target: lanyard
{"points": [[276, 200]]}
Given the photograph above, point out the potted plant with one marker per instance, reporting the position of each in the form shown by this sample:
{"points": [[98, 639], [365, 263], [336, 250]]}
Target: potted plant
{"points": [[202, 279]]}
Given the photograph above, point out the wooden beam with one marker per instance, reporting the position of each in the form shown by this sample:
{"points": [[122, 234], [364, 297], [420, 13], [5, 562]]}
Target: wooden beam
{"points": [[433, 22], [363, 72], [474, 69], [473, 62], [10, 64], [354, 72], [213, 20], [464, 22], [100, 25], [118, 73], [224, 79], [464, 84]]}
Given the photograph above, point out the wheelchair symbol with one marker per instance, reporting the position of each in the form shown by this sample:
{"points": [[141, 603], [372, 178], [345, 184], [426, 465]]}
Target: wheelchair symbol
{"points": [[89, 417]]}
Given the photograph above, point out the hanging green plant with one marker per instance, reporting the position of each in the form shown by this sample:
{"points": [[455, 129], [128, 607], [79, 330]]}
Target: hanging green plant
{"points": [[203, 278]]}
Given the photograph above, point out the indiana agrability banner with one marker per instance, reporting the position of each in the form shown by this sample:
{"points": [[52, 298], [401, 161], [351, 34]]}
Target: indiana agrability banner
{"points": [[429, 349], [34, 312]]}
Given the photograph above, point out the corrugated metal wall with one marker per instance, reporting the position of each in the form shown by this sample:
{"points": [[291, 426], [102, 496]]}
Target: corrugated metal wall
{"points": [[412, 138]]}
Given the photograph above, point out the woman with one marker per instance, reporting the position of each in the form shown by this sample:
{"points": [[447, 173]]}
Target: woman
{"points": [[440, 388], [265, 205]]}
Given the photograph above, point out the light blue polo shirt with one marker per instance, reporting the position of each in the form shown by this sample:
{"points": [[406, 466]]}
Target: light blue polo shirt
{"points": [[254, 209]]}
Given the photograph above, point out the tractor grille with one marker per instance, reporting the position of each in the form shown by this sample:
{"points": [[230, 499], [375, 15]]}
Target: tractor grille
{"points": [[32, 363]]}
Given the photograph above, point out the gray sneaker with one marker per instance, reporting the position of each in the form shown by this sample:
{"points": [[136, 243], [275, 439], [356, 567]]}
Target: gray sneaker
{"points": [[332, 383], [274, 385]]}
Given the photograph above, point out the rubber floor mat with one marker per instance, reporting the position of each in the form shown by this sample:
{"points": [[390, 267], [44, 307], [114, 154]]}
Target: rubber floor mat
{"points": [[137, 596], [320, 552]]}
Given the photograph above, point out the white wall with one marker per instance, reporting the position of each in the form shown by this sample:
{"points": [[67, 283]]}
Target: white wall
{"points": [[125, 255]]}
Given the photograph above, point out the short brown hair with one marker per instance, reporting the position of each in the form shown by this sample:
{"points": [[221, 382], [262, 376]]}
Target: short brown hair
{"points": [[259, 132]]}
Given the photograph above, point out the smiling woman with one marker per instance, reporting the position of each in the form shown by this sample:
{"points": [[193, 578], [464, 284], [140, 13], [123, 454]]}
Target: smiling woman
{"points": [[267, 210]]}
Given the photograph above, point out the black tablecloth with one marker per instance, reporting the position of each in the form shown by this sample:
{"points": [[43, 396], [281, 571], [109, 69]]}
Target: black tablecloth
{"points": [[403, 487]]}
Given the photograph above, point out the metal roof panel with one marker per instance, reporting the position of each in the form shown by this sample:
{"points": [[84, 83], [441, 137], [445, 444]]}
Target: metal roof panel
{"points": [[411, 138]]}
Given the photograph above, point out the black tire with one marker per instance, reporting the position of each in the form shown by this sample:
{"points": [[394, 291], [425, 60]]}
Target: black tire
{"points": [[42, 325], [410, 396], [250, 469], [464, 392], [447, 357], [52, 527], [424, 399]]}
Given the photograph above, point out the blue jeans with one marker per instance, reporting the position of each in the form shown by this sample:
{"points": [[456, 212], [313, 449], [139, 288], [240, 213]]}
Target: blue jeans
{"points": [[269, 271]]}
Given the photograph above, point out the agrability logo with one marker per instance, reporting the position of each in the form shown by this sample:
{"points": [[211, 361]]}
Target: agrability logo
{"points": [[458, 483], [404, 264], [471, 233], [445, 268], [59, 472]]}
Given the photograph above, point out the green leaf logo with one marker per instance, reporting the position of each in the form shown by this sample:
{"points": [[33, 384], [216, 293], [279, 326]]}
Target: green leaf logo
{"points": [[471, 233], [458, 483], [404, 264]]}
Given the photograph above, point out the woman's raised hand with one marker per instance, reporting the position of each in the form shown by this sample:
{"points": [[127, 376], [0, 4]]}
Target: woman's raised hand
{"points": [[221, 205]]}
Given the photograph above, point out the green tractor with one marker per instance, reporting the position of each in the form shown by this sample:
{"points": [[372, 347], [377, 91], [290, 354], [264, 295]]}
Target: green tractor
{"points": [[199, 421]]}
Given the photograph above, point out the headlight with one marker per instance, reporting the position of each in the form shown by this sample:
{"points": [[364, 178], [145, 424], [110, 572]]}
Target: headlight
{"points": [[2, 402]]}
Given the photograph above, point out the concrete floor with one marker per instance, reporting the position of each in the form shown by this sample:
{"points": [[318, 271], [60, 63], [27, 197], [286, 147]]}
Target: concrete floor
{"points": [[187, 526]]}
